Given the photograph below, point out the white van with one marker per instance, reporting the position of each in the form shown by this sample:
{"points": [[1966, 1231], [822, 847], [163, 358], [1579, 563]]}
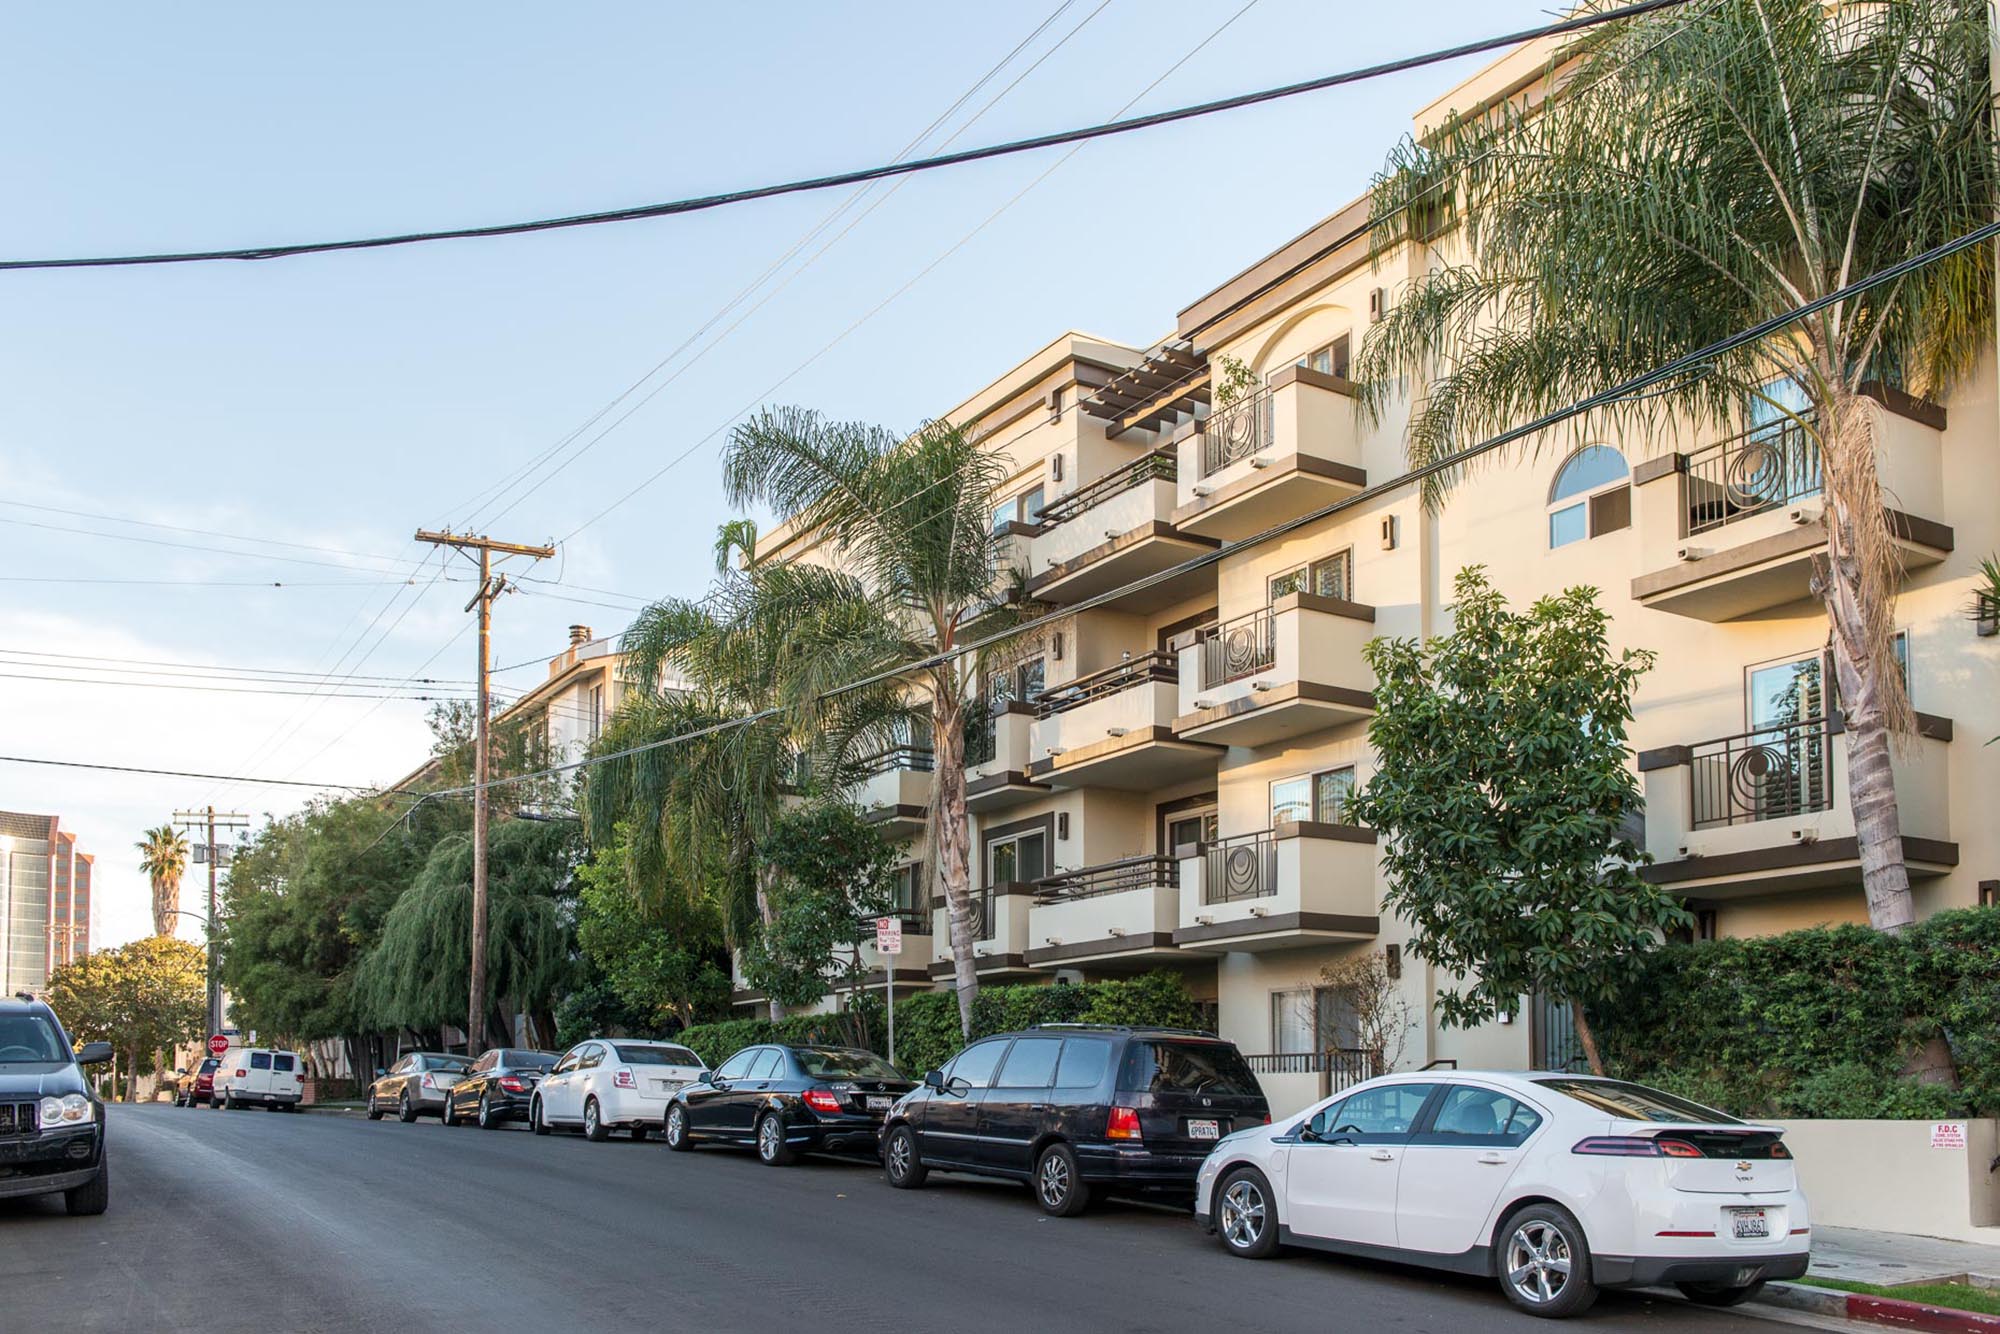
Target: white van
{"points": [[259, 1077]]}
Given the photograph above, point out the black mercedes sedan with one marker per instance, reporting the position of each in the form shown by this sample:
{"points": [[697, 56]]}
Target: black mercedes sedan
{"points": [[784, 1100], [51, 1123], [497, 1087]]}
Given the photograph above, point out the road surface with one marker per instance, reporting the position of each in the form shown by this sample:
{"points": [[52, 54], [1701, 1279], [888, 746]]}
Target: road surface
{"points": [[250, 1220]]}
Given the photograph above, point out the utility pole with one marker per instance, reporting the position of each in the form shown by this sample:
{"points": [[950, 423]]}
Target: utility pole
{"points": [[490, 587], [212, 819]]}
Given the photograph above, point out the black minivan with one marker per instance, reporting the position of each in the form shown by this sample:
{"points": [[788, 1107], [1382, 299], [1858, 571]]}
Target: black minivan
{"points": [[1077, 1110]]}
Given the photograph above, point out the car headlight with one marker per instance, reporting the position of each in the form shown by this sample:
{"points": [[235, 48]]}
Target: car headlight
{"points": [[70, 1109]]}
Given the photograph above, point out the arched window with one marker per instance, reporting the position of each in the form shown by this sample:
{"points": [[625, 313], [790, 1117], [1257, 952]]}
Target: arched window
{"points": [[1590, 496]]}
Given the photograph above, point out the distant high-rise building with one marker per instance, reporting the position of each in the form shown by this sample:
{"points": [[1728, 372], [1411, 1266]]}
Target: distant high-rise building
{"points": [[45, 900]]}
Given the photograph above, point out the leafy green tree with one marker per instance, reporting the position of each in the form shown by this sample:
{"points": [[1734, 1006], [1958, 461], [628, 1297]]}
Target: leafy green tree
{"points": [[144, 998], [923, 571], [1504, 792], [1710, 167], [833, 875], [163, 859], [658, 960]]}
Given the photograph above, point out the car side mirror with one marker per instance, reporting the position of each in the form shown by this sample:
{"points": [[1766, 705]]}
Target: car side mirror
{"points": [[94, 1053], [934, 1079], [705, 1077]]}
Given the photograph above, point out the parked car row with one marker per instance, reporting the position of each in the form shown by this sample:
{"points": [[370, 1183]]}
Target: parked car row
{"points": [[264, 1077], [1555, 1185]]}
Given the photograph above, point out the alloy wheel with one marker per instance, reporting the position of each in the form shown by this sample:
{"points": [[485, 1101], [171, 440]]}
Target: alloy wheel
{"points": [[1538, 1262], [768, 1139], [676, 1127], [590, 1119], [485, 1112], [1243, 1214], [1053, 1180], [899, 1156]]}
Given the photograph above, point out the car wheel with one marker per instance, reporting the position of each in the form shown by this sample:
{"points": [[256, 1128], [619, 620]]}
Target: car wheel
{"points": [[1059, 1187], [535, 1122], [1717, 1294], [486, 1121], [374, 1112], [772, 1150], [92, 1197], [1545, 1262], [900, 1161], [229, 1103], [445, 1117], [677, 1129], [1246, 1214], [406, 1111], [593, 1122]]}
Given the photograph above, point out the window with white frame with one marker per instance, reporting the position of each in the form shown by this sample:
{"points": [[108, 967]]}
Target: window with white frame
{"points": [[1332, 358], [1328, 577], [1319, 798], [1591, 496], [1024, 508]]}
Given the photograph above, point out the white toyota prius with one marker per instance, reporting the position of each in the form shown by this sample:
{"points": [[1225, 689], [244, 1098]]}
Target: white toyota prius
{"points": [[1556, 1185]]}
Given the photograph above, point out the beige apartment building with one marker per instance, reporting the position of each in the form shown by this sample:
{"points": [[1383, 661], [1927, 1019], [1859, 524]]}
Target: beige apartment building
{"points": [[1161, 782]]}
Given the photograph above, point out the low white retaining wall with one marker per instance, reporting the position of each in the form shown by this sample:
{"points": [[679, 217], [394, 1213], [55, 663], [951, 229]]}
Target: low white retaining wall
{"points": [[1888, 1176]]}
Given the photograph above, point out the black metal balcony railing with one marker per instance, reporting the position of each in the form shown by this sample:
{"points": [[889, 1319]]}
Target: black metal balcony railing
{"points": [[913, 759], [1158, 466], [1349, 1065], [1243, 867], [982, 738], [1109, 878], [1158, 665], [1769, 774], [1236, 432], [1238, 648], [1763, 469]]}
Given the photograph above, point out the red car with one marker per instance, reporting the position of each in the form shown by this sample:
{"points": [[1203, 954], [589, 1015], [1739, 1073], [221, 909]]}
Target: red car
{"points": [[196, 1087]]}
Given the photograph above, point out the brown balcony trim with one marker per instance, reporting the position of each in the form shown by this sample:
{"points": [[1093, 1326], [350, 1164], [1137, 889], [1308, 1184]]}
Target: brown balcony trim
{"points": [[1306, 375], [999, 782], [1084, 949], [1005, 889], [1307, 464], [1653, 469], [1665, 757], [1353, 611], [900, 811], [1919, 410], [1789, 856], [1265, 926], [1312, 692], [1930, 726], [1807, 537], [1097, 750], [747, 998], [1156, 530], [990, 963], [1338, 833], [1015, 528], [1025, 708], [904, 976]]}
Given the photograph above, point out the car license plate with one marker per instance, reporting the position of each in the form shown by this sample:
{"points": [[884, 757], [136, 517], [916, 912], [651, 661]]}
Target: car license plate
{"points": [[1204, 1130], [1746, 1224], [880, 1104]]}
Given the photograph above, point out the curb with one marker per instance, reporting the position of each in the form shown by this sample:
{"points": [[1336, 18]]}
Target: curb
{"points": [[1877, 1310]]}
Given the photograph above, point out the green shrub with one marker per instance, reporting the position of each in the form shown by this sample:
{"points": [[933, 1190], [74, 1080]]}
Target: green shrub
{"points": [[1820, 1022]]}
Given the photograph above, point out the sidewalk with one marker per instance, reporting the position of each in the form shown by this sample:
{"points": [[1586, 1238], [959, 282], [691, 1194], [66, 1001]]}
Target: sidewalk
{"points": [[1894, 1257]]}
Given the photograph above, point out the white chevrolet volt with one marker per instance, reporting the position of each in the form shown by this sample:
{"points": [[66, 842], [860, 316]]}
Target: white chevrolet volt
{"points": [[1556, 1185]]}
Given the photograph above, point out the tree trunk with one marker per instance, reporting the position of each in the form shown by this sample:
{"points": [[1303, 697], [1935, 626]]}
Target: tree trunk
{"points": [[766, 915], [1858, 585], [132, 1075], [1587, 1038], [954, 851]]}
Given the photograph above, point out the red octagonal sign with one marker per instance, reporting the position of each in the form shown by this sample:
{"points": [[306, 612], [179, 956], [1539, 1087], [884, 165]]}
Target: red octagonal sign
{"points": [[218, 1045]]}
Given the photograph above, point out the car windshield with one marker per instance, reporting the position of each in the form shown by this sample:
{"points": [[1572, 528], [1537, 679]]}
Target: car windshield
{"points": [[449, 1063], [527, 1060], [208, 1065], [1187, 1067], [648, 1053], [26, 1038], [1635, 1102], [840, 1063]]}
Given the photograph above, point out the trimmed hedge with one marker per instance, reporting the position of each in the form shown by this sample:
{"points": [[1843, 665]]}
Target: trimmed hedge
{"points": [[927, 1023], [1818, 1023]]}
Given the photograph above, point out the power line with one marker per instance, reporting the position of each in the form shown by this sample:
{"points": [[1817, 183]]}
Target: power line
{"points": [[183, 773], [200, 532], [191, 546], [867, 174], [1689, 363], [224, 689], [202, 583], [218, 669]]}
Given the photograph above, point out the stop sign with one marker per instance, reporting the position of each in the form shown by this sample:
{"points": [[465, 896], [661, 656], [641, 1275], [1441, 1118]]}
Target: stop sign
{"points": [[218, 1045]]}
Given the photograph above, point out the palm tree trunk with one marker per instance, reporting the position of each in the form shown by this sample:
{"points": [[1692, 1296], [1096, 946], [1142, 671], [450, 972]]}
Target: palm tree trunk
{"points": [[1858, 585], [954, 850], [766, 915]]}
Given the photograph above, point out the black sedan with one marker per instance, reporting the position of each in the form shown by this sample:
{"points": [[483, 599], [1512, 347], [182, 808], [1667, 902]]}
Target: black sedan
{"points": [[786, 1100], [498, 1087]]}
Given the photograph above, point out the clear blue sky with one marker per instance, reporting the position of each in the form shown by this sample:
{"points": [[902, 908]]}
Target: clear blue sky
{"points": [[345, 400]]}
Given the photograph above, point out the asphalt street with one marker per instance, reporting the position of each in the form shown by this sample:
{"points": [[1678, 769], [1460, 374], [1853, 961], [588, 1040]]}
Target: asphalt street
{"points": [[249, 1220]]}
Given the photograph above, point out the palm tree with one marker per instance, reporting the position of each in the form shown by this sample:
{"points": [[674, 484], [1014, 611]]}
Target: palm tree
{"points": [[1699, 172], [163, 856], [908, 523]]}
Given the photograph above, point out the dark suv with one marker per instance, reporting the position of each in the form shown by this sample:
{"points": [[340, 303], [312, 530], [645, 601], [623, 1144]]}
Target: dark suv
{"points": [[1076, 1110], [51, 1124]]}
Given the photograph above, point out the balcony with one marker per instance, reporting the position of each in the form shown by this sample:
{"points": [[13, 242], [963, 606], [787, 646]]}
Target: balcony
{"points": [[1285, 670], [1001, 944], [1733, 528], [996, 759], [896, 791], [1114, 729], [1285, 450], [1113, 531], [1121, 913], [1767, 811], [1296, 884]]}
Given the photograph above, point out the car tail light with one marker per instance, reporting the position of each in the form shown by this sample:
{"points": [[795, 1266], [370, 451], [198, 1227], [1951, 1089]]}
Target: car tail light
{"points": [[242, 1074], [623, 1079], [1778, 1150], [512, 1084], [1618, 1146], [1124, 1124], [1678, 1148], [822, 1100]]}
